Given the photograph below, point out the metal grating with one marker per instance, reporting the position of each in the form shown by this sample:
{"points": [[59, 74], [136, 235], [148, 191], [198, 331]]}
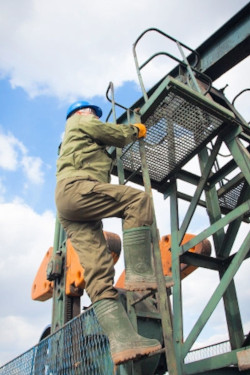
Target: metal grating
{"points": [[208, 351], [80, 347], [177, 128], [229, 200]]}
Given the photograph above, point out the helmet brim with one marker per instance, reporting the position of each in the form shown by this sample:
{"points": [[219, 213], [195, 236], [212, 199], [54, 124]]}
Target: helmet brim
{"points": [[80, 105]]}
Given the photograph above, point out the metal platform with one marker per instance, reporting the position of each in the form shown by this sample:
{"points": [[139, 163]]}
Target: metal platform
{"points": [[180, 121]]}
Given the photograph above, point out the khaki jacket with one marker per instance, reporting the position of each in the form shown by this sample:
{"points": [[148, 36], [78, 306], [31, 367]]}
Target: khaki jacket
{"points": [[83, 150]]}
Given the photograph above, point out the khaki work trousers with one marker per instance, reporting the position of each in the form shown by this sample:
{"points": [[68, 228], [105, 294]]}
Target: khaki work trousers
{"points": [[81, 205]]}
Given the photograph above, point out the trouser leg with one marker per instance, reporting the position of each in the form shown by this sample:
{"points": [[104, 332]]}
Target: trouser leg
{"points": [[81, 203], [85, 200], [90, 244]]}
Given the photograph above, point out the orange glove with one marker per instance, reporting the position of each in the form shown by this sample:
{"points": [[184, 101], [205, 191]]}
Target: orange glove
{"points": [[142, 130]]}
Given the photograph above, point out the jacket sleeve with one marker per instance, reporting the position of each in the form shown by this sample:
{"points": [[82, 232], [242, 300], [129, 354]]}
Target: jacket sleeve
{"points": [[107, 133]]}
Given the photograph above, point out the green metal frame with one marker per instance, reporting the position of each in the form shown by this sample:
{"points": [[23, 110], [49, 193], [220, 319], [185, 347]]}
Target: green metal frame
{"points": [[224, 225], [231, 133]]}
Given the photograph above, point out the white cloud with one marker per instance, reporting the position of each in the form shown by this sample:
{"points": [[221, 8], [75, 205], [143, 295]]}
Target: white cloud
{"points": [[2, 189], [16, 330], [14, 154], [70, 49], [25, 238], [32, 229], [9, 147], [32, 168]]}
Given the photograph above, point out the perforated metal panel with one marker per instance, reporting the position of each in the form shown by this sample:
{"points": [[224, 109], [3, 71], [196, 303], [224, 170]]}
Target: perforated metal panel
{"points": [[229, 200], [178, 125], [176, 129]]}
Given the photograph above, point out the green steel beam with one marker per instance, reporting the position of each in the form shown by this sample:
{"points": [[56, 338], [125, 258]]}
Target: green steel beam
{"points": [[163, 299], [188, 198], [177, 296], [226, 47], [202, 261], [221, 223], [241, 156], [200, 188], [217, 295], [188, 177]]}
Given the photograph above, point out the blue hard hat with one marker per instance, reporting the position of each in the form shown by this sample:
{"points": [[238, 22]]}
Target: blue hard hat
{"points": [[81, 104]]}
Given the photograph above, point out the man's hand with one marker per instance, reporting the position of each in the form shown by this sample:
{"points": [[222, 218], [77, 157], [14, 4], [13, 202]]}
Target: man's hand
{"points": [[142, 130]]}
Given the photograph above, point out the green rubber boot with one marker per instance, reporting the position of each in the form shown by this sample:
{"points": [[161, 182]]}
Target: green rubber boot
{"points": [[125, 343], [139, 269]]}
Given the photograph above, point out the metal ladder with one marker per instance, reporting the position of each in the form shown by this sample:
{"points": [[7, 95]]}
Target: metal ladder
{"points": [[162, 295]]}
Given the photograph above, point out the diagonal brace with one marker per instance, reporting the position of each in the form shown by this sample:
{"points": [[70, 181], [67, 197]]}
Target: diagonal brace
{"points": [[221, 223], [199, 189], [217, 295]]}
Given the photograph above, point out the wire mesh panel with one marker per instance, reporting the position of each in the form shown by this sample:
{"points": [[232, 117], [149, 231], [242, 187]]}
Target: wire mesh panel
{"points": [[175, 129], [179, 123], [78, 348], [230, 198], [208, 351]]}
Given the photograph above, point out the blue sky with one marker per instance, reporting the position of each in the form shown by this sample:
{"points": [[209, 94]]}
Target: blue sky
{"points": [[52, 53]]}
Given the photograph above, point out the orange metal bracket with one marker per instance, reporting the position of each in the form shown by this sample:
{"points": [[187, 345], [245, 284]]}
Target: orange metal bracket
{"points": [[203, 247], [42, 289], [75, 271]]}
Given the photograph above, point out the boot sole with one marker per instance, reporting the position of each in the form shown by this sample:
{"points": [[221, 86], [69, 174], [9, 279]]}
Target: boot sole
{"points": [[129, 354]]}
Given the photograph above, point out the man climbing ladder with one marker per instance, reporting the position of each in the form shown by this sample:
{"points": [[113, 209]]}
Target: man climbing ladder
{"points": [[84, 196]]}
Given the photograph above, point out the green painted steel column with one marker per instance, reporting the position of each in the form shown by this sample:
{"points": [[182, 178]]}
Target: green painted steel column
{"points": [[177, 292], [241, 156], [163, 299], [213, 207]]}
